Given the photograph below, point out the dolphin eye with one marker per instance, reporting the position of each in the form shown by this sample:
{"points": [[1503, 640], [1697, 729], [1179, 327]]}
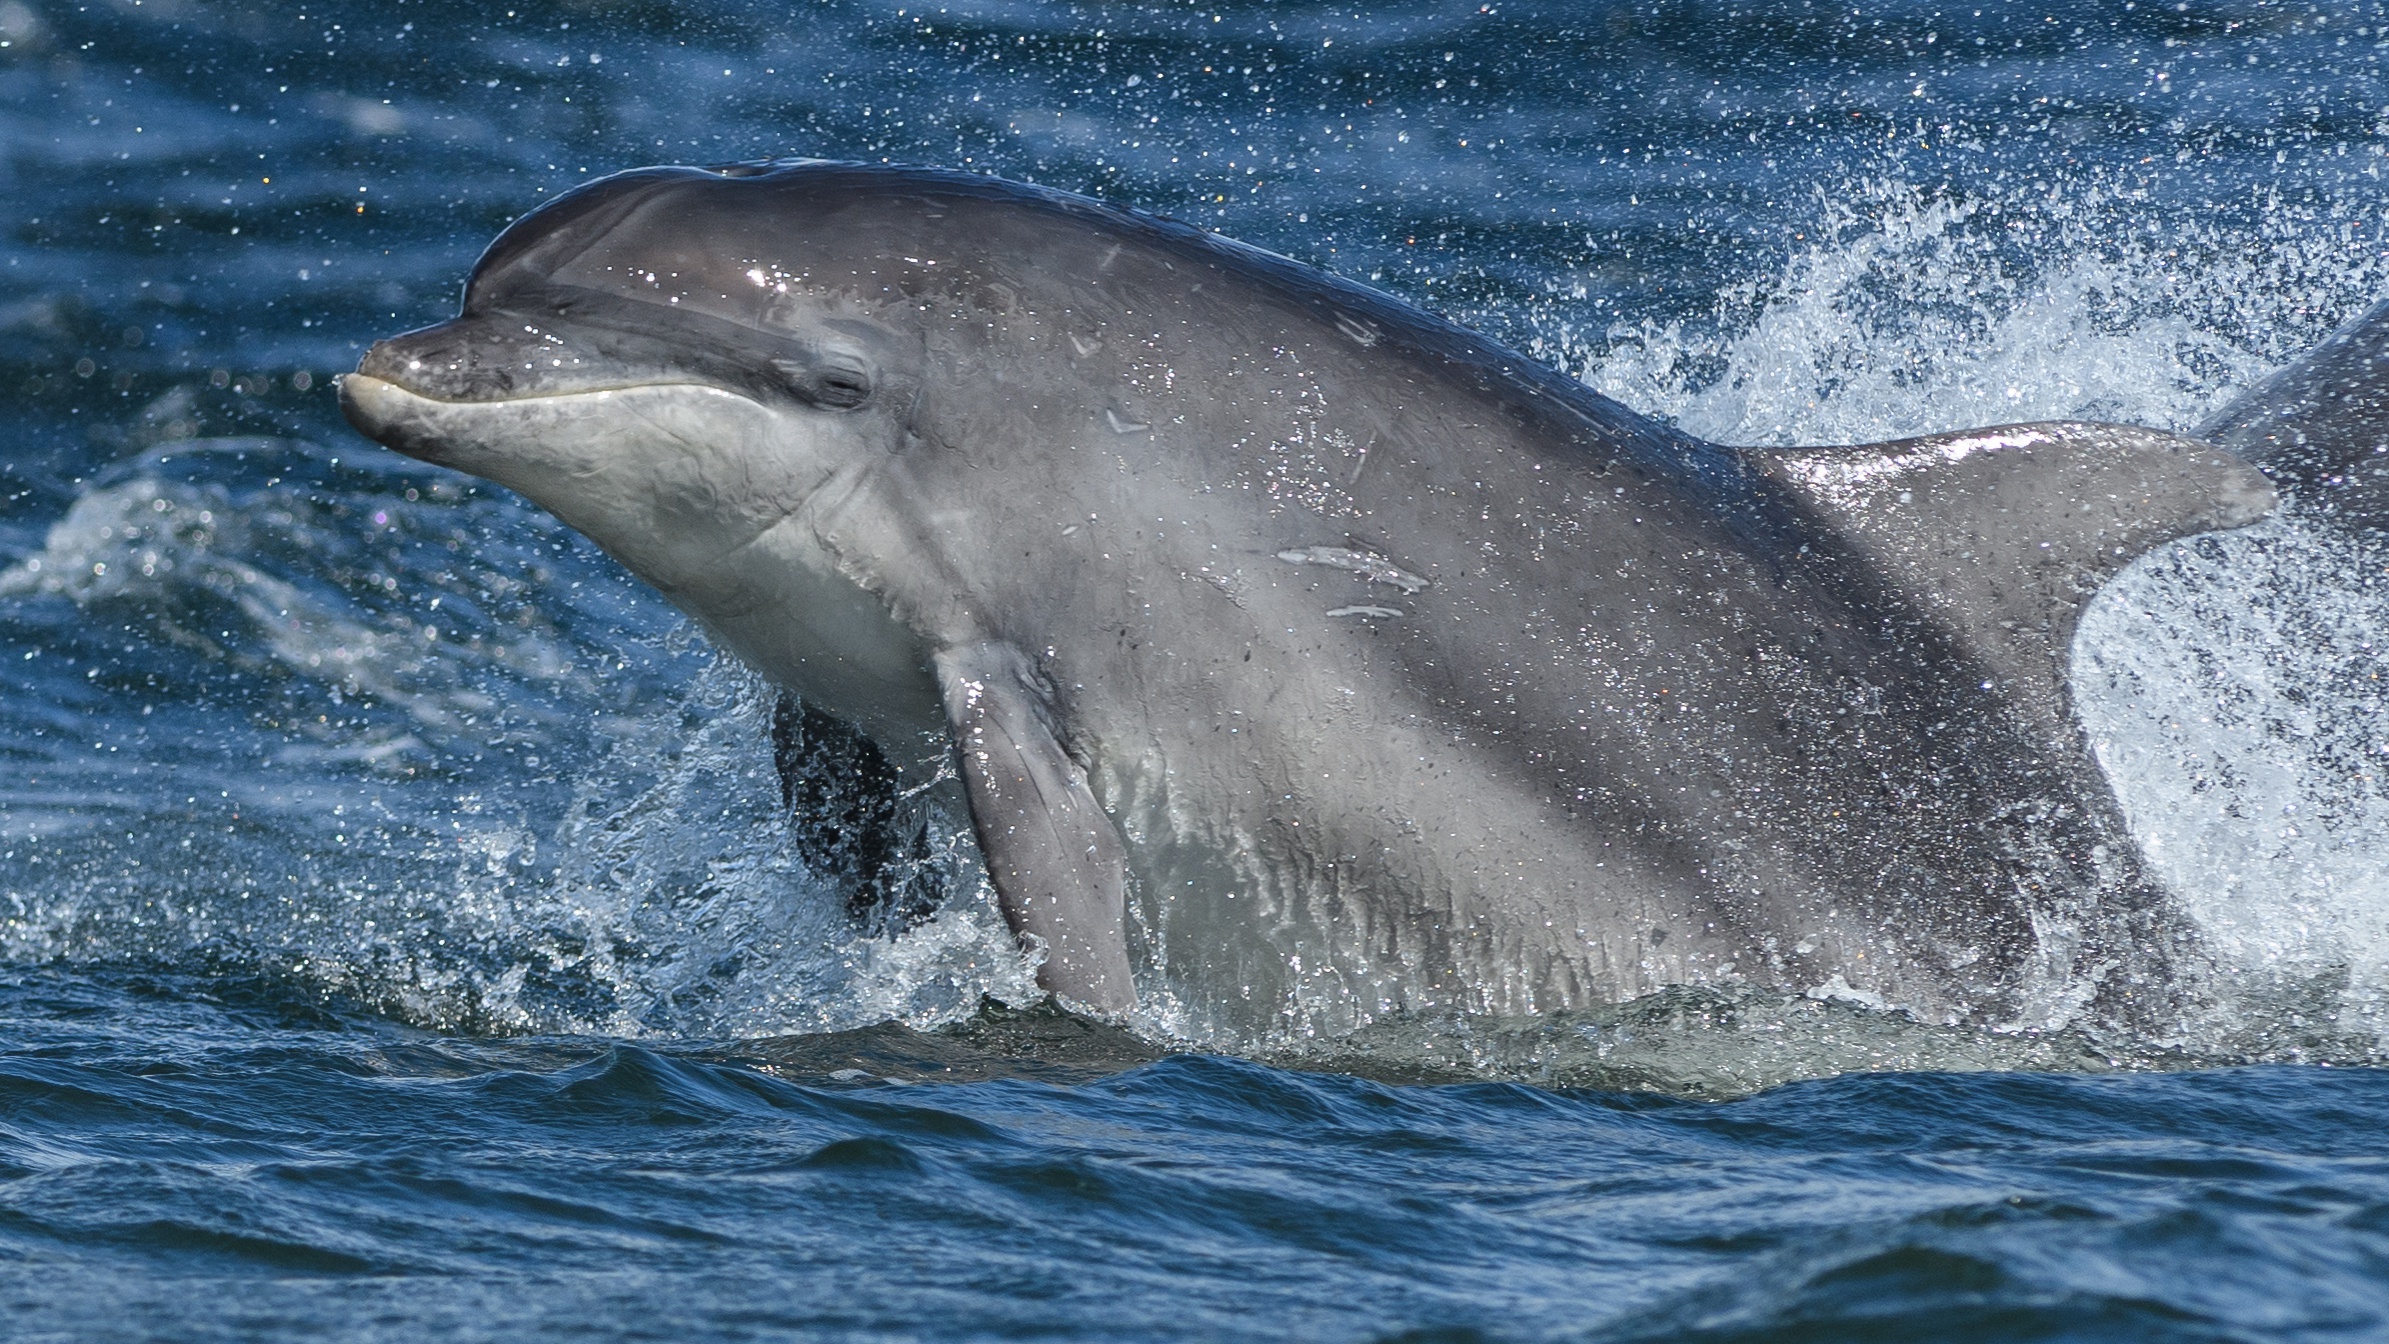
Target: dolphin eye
{"points": [[842, 388], [834, 380]]}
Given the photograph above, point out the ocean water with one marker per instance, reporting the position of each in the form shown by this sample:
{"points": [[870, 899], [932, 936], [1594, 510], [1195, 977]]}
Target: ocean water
{"points": [[400, 934]]}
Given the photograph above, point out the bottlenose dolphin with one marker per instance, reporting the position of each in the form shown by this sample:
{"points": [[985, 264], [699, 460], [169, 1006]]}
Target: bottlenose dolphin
{"points": [[1305, 657]]}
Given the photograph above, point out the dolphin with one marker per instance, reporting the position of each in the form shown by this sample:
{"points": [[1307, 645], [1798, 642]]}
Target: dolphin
{"points": [[1305, 658]]}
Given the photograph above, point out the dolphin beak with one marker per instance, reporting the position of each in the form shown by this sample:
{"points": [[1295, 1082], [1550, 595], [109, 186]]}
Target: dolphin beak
{"points": [[392, 417]]}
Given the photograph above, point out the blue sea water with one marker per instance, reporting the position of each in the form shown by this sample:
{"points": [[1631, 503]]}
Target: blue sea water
{"points": [[184, 1162], [400, 937]]}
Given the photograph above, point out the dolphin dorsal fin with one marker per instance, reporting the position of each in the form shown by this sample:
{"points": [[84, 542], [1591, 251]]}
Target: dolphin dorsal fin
{"points": [[2000, 536]]}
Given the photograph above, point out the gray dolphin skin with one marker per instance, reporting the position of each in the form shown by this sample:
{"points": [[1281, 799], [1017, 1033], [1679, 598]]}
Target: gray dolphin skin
{"points": [[1305, 658]]}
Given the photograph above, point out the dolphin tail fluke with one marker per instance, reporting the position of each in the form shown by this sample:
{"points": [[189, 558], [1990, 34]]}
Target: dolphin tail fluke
{"points": [[2320, 428], [1998, 537]]}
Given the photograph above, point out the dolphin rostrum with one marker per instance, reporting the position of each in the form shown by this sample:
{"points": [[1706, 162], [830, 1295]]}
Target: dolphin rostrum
{"points": [[1306, 657]]}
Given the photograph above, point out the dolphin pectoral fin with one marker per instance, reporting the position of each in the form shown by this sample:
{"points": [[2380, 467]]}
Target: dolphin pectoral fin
{"points": [[854, 825], [1059, 867], [2320, 428], [2000, 536]]}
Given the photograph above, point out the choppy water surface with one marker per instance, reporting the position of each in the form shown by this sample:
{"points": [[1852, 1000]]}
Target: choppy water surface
{"points": [[191, 1159], [399, 932]]}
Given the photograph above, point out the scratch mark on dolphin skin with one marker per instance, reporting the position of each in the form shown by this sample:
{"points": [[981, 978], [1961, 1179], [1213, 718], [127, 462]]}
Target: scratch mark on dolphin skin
{"points": [[1361, 332], [1375, 568], [1360, 462], [1120, 426], [1084, 348], [1366, 611]]}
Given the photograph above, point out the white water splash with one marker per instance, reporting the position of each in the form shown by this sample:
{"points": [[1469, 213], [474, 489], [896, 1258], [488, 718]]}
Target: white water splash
{"points": [[717, 927], [1910, 313], [2234, 689], [668, 902]]}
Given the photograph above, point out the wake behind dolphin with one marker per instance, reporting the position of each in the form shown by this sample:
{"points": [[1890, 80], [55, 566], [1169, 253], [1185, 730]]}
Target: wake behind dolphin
{"points": [[1306, 658]]}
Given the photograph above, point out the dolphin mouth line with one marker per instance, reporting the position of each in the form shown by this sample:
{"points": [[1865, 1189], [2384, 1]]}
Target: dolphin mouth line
{"points": [[342, 382]]}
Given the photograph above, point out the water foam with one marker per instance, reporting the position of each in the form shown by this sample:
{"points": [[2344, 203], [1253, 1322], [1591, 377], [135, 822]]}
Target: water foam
{"points": [[717, 928], [2232, 689]]}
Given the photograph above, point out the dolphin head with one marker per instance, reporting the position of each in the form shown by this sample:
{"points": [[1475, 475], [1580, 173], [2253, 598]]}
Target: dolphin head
{"points": [[670, 365]]}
